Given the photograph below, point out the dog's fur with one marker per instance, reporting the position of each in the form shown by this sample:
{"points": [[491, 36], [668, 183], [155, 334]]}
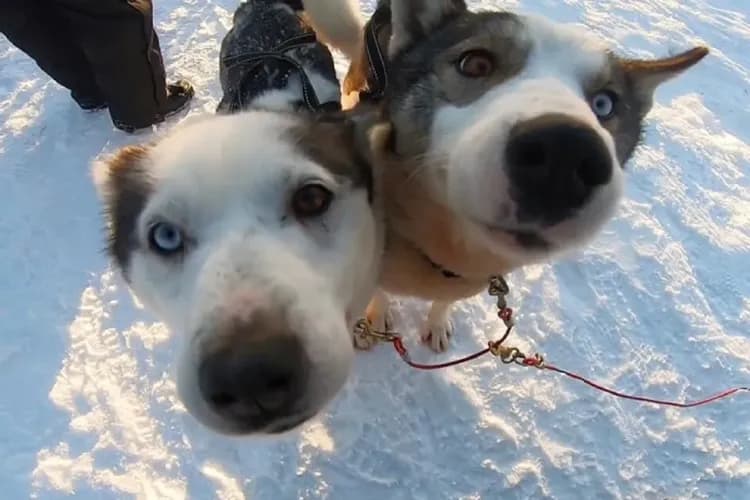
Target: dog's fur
{"points": [[456, 210], [254, 290]]}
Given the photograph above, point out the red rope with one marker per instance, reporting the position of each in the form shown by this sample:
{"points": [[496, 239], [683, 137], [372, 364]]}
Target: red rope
{"points": [[537, 362], [401, 350], [662, 402]]}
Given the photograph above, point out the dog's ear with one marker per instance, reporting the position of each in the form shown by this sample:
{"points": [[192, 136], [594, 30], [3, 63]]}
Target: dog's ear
{"points": [[647, 75], [333, 142], [123, 184], [117, 172], [412, 20]]}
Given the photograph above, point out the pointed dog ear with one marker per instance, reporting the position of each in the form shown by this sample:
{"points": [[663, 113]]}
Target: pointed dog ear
{"points": [[647, 75], [412, 20]]}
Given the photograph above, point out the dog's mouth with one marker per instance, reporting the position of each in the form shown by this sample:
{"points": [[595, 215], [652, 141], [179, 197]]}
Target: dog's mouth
{"points": [[258, 420], [531, 240], [288, 424], [525, 238], [278, 426]]}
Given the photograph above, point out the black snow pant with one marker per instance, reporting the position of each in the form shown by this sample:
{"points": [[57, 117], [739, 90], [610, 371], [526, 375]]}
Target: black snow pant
{"points": [[103, 51]]}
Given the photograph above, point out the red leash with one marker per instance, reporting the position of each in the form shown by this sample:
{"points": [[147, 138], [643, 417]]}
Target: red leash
{"points": [[498, 288], [661, 402], [512, 355]]}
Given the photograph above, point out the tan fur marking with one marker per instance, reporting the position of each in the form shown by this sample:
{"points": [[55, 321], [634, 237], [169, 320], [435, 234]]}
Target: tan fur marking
{"points": [[649, 74], [126, 158], [412, 215], [674, 64], [332, 144]]}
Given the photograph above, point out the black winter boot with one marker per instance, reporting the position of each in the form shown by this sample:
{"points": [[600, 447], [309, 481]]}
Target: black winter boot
{"points": [[89, 102], [179, 95]]}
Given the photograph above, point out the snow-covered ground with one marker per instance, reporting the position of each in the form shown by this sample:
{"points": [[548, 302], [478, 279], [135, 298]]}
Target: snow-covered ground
{"points": [[660, 304]]}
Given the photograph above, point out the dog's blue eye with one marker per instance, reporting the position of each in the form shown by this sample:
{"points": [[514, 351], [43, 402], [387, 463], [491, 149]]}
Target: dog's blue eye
{"points": [[603, 104], [165, 238]]}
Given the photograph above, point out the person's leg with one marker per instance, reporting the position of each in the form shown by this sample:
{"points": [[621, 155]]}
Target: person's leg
{"points": [[38, 30], [119, 41]]}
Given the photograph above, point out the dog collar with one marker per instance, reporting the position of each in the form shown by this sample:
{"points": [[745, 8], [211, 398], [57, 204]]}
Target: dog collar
{"points": [[447, 273]]}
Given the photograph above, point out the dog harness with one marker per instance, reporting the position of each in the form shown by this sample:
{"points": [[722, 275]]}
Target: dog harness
{"points": [[377, 78], [269, 46], [248, 63]]}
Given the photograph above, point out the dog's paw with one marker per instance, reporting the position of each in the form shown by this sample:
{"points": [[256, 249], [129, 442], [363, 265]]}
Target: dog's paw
{"points": [[437, 334], [381, 320], [438, 330]]}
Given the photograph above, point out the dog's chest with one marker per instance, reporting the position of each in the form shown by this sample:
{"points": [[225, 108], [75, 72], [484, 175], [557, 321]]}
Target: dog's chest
{"points": [[427, 244]]}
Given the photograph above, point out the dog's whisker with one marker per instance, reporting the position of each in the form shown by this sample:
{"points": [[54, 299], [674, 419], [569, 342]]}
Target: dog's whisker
{"points": [[426, 164]]}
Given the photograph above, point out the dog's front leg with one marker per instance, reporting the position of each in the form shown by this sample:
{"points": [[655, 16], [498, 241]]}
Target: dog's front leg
{"points": [[356, 77], [379, 317], [438, 329]]}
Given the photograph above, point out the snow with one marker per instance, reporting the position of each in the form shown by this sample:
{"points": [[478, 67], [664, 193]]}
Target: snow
{"points": [[658, 305]]}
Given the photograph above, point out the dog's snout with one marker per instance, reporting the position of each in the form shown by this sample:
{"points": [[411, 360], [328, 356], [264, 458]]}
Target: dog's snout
{"points": [[555, 162], [254, 382]]}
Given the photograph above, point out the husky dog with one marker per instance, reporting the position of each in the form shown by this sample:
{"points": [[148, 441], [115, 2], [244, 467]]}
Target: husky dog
{"points": [[254, 235], [507, 141]]}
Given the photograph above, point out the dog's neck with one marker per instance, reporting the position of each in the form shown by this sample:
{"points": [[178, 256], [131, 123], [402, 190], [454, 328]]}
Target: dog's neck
{"points": [[435, 230], [419, 224]]}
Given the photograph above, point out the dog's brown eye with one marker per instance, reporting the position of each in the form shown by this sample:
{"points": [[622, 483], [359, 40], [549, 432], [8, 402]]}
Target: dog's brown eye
{"points": [[311, 200], [476, 64]]}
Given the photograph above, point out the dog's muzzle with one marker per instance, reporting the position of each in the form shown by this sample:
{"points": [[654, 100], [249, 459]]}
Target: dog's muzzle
{"points": [[254, 374], [555, 163]]}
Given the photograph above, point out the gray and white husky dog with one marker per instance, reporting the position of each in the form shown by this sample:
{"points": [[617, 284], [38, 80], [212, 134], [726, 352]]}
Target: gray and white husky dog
{"points": [[506, 144]]}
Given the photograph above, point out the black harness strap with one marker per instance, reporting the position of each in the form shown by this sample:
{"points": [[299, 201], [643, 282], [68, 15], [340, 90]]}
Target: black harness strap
{"points": [[378, 83]]}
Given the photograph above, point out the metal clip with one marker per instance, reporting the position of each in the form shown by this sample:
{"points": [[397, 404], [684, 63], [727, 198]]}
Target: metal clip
{"points": [[364, 329], [514, 355], [501, 302], [498, 287], [510, 355], [505, 353]]}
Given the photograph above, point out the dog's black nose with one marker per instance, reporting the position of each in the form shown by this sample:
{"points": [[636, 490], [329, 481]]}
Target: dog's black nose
{"points": [[555, 162], [255, 382]]}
